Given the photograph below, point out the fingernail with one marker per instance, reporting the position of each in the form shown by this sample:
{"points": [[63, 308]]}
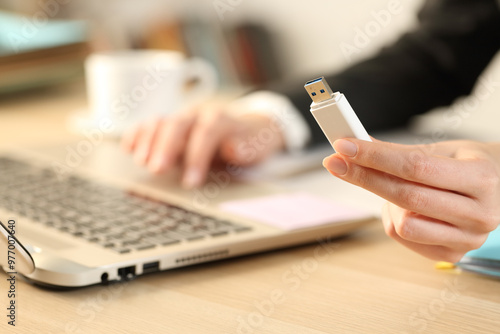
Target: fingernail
{"points": [[158, 164], [335, 165], [192, 178], [345, 147], [141, 157]]}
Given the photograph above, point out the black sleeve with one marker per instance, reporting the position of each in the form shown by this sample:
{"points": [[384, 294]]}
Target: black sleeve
{"points": [[426, 68]]}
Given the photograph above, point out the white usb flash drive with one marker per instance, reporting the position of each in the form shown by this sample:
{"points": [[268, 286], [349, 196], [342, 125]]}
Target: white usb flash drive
{"points": [[333, 112]]}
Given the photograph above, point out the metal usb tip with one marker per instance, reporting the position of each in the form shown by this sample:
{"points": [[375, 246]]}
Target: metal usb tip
{"points": [[319, 90]]}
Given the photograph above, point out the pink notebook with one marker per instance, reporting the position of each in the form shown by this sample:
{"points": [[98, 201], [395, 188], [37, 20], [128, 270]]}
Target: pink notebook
{"points": [[293, 211]]}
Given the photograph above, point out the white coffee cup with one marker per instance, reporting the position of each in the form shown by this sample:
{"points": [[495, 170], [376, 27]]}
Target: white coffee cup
{"points": [[126, 87]]}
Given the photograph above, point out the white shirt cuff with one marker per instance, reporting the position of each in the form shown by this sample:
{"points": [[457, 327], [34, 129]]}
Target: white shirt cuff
{"points": [[294, 128]]}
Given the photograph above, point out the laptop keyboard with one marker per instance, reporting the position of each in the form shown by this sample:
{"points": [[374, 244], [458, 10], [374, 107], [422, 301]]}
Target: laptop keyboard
{"points": [[101, 214]]}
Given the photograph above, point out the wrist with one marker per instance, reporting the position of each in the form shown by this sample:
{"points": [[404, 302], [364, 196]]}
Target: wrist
{"points": [[293, 128], [265, 128]]}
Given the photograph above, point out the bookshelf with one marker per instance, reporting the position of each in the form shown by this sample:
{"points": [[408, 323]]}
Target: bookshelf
{"points": [[38, 53], [244, 54]]}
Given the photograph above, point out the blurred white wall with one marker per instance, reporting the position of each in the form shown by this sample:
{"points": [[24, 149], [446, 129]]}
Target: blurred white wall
{"points": [[314, 36], [314, 31], [311, 32]]}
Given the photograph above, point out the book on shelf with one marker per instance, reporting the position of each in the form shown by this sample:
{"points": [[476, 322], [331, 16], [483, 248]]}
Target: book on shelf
{"points": [[244, 54], [34, 54], [254, 52]]}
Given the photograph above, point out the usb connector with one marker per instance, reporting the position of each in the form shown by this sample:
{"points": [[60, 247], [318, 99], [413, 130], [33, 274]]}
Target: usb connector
{"points": [[319, 90], [333, 112]]}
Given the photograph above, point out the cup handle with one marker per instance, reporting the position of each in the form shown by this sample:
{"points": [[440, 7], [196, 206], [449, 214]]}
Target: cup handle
{"points": [[206, 80]]}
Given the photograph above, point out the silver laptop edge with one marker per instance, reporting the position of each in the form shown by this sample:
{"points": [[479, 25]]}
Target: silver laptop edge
{"points": [[65, 261]]}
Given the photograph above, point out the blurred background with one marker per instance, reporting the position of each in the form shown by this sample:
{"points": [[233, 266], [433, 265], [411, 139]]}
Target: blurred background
{"points": [[252, 43]]}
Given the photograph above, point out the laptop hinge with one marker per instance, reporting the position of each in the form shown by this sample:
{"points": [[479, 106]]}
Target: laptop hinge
{"points": [[14, 257]]}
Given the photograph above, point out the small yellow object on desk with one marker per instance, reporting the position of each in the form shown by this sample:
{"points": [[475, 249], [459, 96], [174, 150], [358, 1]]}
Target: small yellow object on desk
{"points": [[442, 265]]}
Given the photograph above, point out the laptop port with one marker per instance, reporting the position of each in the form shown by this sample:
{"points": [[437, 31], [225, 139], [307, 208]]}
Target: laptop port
{"points": [[150, 267], [127, 273], [104, 278]]}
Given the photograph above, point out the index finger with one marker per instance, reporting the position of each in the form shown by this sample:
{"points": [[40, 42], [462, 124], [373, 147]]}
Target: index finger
{"points": [[411, 163], [205, 139]]}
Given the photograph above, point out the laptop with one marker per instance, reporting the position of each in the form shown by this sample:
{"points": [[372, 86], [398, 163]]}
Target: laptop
{"points": [[95, 219]]}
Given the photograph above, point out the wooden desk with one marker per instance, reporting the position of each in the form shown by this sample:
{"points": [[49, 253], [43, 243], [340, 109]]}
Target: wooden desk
{"points": [[366, 283]]}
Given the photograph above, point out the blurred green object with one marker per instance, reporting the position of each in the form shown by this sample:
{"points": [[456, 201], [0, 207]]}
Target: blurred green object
{"points": [[485, 260], [36, 52]]}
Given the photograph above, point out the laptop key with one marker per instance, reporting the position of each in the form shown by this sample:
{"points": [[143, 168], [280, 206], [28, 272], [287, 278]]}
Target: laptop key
{"points": [[130, 242], [122, 250], [195, 237], [145, 246], [170, 242], [220, 233], [242, 229], [94, 239]]}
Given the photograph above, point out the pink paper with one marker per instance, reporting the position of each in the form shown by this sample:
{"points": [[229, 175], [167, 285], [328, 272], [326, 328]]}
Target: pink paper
{"points": [[293, 211]]}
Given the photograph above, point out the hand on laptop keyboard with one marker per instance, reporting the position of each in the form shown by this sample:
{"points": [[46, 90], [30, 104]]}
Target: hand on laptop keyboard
{"points": [[199, 137]]}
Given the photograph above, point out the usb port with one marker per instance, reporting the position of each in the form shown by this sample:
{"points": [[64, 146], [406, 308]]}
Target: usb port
{"points": [[150, 267], [127, 273]]}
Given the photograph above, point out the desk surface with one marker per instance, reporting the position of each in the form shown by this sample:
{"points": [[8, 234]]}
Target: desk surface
{"points": [[364, 284]]}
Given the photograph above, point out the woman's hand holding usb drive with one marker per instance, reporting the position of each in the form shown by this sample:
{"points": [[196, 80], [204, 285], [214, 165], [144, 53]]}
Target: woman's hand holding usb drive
{"points": [[443, 198]]}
